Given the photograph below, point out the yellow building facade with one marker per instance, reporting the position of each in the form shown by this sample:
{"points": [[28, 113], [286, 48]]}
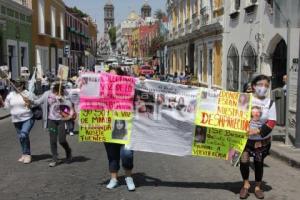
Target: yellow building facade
{"points": [[195, 41]]}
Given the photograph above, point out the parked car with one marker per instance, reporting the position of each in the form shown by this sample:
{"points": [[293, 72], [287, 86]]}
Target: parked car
{"points": [[146, 70]]}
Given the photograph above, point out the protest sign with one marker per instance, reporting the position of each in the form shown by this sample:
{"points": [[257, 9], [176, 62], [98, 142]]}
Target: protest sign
{"points": [[223, 109], [222, 120], [164, 116], [106, 110], [63, 72]]}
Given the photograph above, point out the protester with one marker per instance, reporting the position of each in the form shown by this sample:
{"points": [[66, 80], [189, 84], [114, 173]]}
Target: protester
{"points": [[45, 83], [3, 88], [56, 103], [18, 103], [115, 152], [259, 142], [176, 78], [284, 79]]}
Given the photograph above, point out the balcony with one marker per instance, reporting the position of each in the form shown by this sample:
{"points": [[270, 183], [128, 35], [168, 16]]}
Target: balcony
{"points": [[194, 16], [251, 6], [204, 19], [26, 3]]}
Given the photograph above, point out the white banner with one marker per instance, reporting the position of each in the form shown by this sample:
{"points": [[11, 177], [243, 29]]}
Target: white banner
{"points": [[167, 111]]}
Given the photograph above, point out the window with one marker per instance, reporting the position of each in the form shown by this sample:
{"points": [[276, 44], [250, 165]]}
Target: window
{"points": [[53, 22], [200, 64], [41, 16], [250, 2], [3, 10], [62, 26], [209, 67]]}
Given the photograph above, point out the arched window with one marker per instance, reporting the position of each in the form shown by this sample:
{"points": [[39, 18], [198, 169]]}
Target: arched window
{"points": [[233, 69], [248, 64]]}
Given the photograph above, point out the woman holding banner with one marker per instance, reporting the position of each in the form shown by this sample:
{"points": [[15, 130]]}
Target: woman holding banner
{"points": [[259, 141], [115, 152], [56, 109]]}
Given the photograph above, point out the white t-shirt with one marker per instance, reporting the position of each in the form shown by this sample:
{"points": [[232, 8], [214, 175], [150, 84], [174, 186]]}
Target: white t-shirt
{"points": [[15, 103], [267, 113]]}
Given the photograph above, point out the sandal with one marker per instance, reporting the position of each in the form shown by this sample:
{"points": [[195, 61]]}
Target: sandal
{"points": [[244, 193]]}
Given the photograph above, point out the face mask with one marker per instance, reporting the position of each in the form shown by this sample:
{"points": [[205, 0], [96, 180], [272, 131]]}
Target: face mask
{"points": [[261, 91]]}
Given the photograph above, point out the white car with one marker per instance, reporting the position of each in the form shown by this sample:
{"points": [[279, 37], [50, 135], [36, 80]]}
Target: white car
{"points": [[129, 62]]}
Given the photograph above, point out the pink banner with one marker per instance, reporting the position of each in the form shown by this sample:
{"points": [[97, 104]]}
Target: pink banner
{"points": [[107, 92]]}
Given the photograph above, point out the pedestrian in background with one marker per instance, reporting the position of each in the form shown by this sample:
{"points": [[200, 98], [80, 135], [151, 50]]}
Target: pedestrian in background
{"points": [[259, 141], [54, 105], [19, 105], [115, 152]]}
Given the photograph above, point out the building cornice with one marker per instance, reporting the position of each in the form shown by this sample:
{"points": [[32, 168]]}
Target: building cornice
{"points": [[16, 6]]}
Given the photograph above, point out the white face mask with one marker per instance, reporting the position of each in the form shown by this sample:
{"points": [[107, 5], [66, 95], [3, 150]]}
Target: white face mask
{"points": [[261, 91]]}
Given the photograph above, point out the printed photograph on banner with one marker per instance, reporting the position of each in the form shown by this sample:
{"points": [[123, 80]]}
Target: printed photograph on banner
{"points": [[218, 143], [119, 130], [168, 110], [223, 109], [89, 85]]}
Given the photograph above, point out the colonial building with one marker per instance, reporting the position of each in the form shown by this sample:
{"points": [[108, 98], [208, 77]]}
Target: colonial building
{"points": [[256, 45], [48, 35], [109, 18], [146, 10], [92, 42], [124, 33], [15, 35], [77, 37], [195, 41]]}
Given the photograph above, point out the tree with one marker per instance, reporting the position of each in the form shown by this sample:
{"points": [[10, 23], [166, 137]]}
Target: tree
{"points": [[112, 36], [156, 44], [159, 14], [79, 12]]}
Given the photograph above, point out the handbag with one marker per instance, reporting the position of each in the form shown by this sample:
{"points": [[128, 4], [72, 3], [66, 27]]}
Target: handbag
{"points": [[37, 113]]}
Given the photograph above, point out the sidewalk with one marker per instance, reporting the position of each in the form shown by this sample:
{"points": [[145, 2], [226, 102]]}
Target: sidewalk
{"points": [[281, 151], [3, 113]]}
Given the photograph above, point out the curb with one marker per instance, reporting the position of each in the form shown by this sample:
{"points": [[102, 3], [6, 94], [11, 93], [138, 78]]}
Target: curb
{"points": [[4, 116], [287, 159]]}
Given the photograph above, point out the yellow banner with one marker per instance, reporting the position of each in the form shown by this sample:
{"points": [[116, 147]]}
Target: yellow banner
{"points": [[105, 126]]}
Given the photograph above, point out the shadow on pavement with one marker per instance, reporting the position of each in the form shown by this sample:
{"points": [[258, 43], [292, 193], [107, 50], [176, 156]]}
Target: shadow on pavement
{"points": [[36, 158], [141, 179], [80, 159]]}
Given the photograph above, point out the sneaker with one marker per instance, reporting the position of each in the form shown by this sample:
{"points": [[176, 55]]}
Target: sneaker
{"points": [[71, 133], [54, 163], [27, 159], [113, 183], [21, 159], [130, 183]]}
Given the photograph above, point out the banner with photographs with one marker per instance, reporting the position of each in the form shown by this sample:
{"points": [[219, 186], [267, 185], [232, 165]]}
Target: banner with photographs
{"points": [[106, 104], [163, 119], [222, 120]]}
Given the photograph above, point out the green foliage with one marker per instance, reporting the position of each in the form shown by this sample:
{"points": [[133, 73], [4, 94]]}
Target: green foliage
{"points": [[156, 44], [77, 11], [112, 35]]}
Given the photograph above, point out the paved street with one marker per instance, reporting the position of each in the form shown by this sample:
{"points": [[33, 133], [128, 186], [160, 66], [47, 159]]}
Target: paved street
{"points": [[157, 176]]}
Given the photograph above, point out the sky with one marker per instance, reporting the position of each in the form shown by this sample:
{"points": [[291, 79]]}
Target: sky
{"points": [[94, 8]]}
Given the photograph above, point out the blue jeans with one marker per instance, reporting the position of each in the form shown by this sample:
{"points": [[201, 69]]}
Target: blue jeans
{"points": [[23, 130], [115, 152]]}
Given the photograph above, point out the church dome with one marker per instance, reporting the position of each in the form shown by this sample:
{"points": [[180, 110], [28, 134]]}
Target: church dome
{"points": [[133, 16]]}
